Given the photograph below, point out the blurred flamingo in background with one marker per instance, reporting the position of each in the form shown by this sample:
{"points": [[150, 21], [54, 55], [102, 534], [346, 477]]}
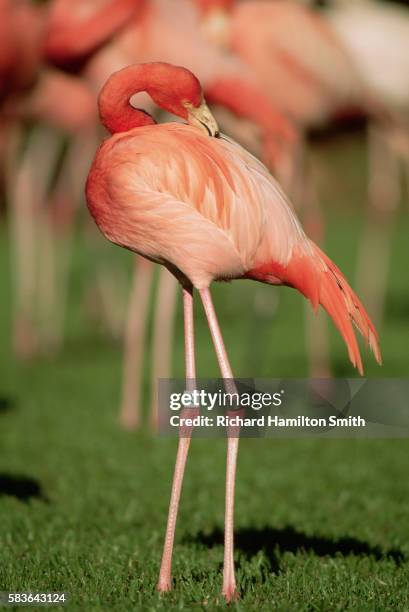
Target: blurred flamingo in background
{"points": [[76, 29], [309, 75], [20, 26], [61, 106], [20, 29], [166, 30], [56, 103], [377, 38], [193, 200], [43, 192], [302, 65]]}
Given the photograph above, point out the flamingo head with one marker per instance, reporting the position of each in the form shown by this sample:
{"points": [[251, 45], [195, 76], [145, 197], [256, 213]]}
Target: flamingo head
{"points": [[173, 88], [180, 93]]}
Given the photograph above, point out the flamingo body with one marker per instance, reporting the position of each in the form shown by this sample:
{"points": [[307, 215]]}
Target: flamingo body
{"points": [[377, 37], [201, 203], [21, 30], [294, 53], [76, 28]]}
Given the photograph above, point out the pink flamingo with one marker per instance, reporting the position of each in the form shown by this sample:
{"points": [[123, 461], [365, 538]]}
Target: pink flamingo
{"points": [[56, 102], [169, 30], [191, 199], [308, 74], [20, 32], [288, 44], [76, 29], [30, 92], [377, 38]]}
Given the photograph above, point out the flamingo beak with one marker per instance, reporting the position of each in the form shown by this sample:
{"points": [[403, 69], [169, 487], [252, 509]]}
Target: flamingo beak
{"points": [[202, 118]]}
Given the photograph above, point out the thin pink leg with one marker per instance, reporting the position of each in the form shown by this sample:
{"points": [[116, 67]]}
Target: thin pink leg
{"points": [[303, 183], [163, 326], [138, 310], [316, 324], [383, 202], [66, 200], [165, 575], [28, 177], [229, 580]]}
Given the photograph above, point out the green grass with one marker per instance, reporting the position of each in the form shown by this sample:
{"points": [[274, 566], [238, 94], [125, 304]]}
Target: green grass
{"points": [[320, 524]]}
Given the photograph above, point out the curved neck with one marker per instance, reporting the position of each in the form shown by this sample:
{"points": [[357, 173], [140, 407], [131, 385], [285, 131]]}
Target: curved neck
{"points": [[70, 38], [247, 100], [115, 109]]}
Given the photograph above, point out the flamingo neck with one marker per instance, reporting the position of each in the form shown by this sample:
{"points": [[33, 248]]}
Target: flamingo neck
{"points": [[246, 100], [115, 109], [69, 39]]}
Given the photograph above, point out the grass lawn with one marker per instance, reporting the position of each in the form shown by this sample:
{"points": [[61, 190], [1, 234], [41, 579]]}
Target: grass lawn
{"points": [[320, 524]]}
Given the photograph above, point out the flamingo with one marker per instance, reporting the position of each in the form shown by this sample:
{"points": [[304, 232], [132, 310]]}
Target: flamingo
{"points": [[20, 31], [310, 75], [170, 31], [289, 44], [377, 38], [76, 29], [56, 102], [189, 198], [24, 25]]}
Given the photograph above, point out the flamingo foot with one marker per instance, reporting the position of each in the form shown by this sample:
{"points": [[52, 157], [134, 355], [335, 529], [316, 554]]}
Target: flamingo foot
{"points": [[321, 370], [52, 345], [129, 420], [25, 339], [230, 593], [164, 585]]}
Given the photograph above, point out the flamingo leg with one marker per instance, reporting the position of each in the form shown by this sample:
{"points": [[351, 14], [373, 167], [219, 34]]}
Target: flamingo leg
{"points": [[67, 197], [134, 343], [316, 327], [165, 575], [298, 176], [28, 191], [17, 181], [47, 290], [383, 201], [229, 580], [406, 178], [163, 327]]}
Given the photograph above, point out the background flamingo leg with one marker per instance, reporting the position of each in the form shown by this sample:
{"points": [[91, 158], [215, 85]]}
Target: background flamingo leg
{"points": [[24, 342], [316, 324], [47, 289], [229, 580], [66, 201], [134, 343], [383, 201], [28, 182], [300, 177], [406, 173], [163, 328], [165, 575], [317, 340]]}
